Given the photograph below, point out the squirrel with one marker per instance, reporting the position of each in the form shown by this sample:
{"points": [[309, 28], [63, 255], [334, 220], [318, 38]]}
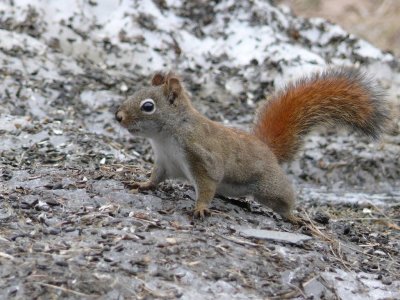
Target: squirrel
{"points": [[231, 162]]}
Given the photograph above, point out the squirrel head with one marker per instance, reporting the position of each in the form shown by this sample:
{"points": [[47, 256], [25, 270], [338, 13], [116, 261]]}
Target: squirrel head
{"points": [[150, 110]]}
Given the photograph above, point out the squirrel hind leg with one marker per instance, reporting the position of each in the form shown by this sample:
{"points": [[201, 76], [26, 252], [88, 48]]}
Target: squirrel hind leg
{"points": [[205, 191]]}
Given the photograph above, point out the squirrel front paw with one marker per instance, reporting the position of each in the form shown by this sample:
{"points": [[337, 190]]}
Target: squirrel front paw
{"points": [[201, 212], [142, 186]]}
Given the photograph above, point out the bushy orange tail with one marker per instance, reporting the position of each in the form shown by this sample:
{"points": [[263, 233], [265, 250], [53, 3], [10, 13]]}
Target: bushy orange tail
{"points": [[342, 96]]}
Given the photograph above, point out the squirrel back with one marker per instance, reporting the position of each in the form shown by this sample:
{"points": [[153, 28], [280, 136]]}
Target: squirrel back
{"points": [[343, 96]]}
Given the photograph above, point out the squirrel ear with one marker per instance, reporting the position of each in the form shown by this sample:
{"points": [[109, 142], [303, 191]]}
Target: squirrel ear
{"points": [[172, 89], [158, 79]]}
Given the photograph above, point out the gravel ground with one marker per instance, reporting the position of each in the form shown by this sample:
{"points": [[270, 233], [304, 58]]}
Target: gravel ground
{"points": [[71, 228]]}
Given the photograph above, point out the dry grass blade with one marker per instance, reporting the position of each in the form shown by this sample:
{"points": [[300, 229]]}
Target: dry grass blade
{"points": [[3, 239], [64, 289], [152, 292], [8, 256], [336, 245], [287, 295], [238, 241]]}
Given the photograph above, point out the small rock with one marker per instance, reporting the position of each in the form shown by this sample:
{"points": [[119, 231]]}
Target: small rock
{"points": [[57, 131], [69, 229], [367, 211], [13, 197], [41, 205], [123, 87], [61, 262], [321, 217], [171, 241], [51, 230], [7, 174], [29, 201], [387, 281], [346, 229], [280, 236], [379, 252], [58, 186], [52, 202]]}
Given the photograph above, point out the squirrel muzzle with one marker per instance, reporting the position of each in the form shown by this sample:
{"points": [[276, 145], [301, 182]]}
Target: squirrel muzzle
{"points": [[120, 116]]}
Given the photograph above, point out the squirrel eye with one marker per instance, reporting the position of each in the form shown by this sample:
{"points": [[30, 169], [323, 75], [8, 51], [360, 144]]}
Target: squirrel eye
{"points": [[148, 106]]}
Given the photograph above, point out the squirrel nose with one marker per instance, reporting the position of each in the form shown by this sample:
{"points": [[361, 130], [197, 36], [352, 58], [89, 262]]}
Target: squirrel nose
{"points": [[119, 116]]}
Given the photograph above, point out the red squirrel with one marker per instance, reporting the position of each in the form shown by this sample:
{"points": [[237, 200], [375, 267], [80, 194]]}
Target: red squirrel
{"points": [[231, 162]]}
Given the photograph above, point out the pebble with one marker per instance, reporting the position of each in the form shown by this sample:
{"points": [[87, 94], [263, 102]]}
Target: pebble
{"points": [[51, 230], [386, 281], [61, 262], [29, 202], [69, 229], [379, 252], [321, 217]]}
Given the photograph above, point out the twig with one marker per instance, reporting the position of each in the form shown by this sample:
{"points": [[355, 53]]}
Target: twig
{"points": [[333, 243], [145, 221], [315, 230], [63, 289], [362, 219], [239, 273], [286, 295], [5, 255], [217, 212], [149, 290], [3, 239], [299, 289], [379, 210], [339, 256], [237, 241], [305, 283]]}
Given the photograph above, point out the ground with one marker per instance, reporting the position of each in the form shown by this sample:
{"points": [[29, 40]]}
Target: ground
{"points": [[70, 227]]}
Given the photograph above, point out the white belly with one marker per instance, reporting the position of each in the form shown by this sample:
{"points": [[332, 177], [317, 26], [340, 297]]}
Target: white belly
{"points": [[171, 157]]}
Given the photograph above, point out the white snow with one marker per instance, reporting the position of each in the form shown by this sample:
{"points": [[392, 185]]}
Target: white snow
{"points": [[231, 34]]}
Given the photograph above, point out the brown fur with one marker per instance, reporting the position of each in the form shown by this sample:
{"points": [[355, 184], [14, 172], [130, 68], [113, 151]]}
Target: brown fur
{"points": [[231, 162]]}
